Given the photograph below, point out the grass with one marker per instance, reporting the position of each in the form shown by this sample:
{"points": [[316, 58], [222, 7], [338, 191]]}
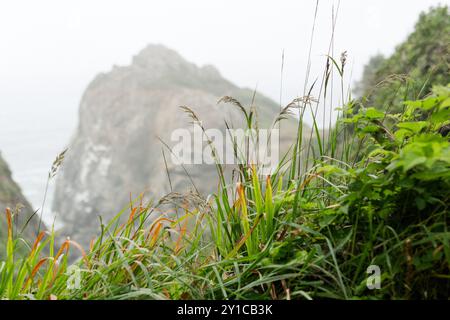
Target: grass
{"points": [[308, 236]]}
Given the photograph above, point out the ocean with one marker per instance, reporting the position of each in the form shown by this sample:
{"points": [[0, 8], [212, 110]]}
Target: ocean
{"points": [[30, 139]]}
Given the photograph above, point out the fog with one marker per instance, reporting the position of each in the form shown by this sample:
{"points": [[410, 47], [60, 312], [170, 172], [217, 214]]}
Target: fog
{"points": [[51, 50]]}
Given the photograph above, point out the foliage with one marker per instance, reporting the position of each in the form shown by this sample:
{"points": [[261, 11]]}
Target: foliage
{"points": [[416, 65], [313, 237]]}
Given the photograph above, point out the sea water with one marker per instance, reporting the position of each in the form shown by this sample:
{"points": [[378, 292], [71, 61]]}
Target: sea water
{"points": [[31, 136]]}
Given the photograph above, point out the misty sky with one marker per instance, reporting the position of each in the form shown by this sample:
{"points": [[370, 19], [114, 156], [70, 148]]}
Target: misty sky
{"points": [[51, 49]]}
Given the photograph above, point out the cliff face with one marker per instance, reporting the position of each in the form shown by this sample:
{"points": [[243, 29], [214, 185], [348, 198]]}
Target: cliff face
{"points": [[11, 197], [116, 150]]}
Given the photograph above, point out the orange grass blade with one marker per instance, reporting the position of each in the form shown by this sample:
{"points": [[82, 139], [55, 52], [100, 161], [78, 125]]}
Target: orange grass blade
{"points": [[36, 242]]}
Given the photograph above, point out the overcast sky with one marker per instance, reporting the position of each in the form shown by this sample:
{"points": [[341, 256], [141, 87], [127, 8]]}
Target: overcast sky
{"points": [[50, 50]]}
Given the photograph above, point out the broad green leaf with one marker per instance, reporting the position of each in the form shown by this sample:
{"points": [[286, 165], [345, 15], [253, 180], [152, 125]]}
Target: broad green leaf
{"points": [[374, 114], [415, 127]]}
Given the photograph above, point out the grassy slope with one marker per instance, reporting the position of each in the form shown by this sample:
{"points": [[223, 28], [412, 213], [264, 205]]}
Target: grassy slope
{"points": [[421, 61]]}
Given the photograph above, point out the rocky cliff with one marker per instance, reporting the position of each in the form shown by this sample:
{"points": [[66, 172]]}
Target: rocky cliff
{"points": [[116, 149], [11, 197]]}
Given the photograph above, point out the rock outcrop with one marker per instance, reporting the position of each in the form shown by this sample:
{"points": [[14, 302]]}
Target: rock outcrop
{"points": [[11, 197], [116, 149]]}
